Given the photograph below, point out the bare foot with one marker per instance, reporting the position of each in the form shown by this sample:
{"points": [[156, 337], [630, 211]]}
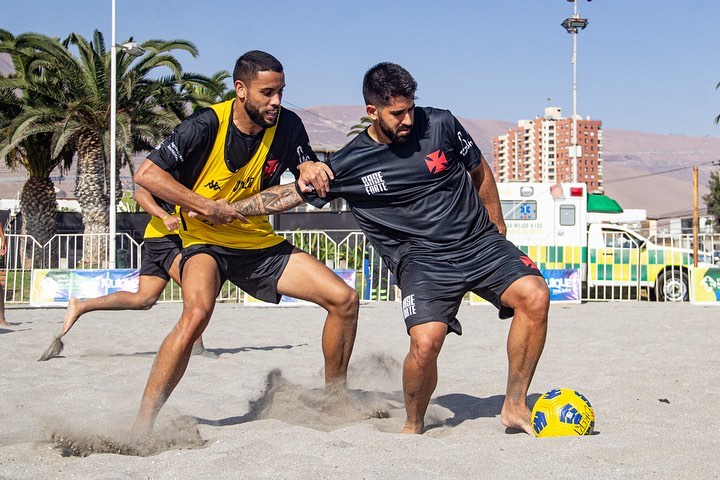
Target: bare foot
{"points": [[72, 314], [516, 415], [4, 323], [412, 429]]}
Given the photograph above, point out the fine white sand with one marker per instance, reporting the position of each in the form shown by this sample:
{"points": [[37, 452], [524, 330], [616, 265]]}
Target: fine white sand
{"points": [[256, 412]]}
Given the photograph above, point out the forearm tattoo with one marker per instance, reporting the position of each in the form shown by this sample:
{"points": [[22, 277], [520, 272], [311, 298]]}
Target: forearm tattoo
{"points": [[273, 200]]}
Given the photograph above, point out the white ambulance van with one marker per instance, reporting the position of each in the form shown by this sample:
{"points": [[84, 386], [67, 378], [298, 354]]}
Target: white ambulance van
{"points": [[550, 222]]}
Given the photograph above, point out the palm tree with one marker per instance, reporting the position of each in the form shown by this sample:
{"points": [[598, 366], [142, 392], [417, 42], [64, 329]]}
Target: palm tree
{"points": [[201, 96], [360, 127], [38, 202], [73, 93]]}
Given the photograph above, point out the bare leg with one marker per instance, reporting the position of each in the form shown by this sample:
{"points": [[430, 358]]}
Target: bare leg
{"points": [[149, 290], [3, 322], [420, 373], [174, 353], [307, 278], [530, 298]]}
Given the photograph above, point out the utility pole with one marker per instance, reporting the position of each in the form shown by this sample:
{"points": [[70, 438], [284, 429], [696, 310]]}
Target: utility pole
{"points": [[573, 25]]}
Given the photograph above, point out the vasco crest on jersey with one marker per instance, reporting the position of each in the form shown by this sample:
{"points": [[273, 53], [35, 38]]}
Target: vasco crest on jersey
{"points": [[436, 162]]}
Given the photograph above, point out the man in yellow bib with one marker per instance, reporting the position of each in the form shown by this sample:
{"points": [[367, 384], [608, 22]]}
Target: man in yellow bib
{"points": [[219, 155]]}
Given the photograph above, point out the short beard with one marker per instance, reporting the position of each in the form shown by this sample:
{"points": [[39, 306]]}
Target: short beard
{"points": [[254, 113], [390, 134]]}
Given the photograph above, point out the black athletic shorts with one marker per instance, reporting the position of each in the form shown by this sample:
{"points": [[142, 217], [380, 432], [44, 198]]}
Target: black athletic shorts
{"points": [[158, 255], [253, 271], [432, 290]]}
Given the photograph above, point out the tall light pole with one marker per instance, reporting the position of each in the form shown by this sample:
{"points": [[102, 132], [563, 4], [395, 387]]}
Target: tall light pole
{"points": [[573, 25], [133, 49]]}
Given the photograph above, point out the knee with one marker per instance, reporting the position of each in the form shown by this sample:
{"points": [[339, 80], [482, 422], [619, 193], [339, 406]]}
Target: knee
{"points": [[345, 303], [426, 349], [148, 302], [535, 299], [193, 322]]}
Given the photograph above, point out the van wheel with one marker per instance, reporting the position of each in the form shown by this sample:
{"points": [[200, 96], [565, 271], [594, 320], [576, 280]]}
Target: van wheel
{"points": [[673, 286]]}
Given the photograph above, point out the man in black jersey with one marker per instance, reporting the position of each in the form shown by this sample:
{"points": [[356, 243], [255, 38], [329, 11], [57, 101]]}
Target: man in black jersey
{"points": [[224, 153], [424, 196]]}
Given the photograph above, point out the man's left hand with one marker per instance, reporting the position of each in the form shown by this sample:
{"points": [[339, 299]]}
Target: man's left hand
{"points": [[315, 175]]}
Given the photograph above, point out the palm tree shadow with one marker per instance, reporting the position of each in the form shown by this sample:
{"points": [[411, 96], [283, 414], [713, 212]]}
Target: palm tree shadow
{"points": [[4, 330], [268, 348], [217, 351]]}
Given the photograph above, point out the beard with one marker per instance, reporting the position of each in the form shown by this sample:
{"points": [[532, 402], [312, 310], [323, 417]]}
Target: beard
{"points": [[253, 112], [399, 135]]}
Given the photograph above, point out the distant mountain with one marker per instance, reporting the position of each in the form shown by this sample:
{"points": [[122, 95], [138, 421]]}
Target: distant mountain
{"points": [[641, 170]]}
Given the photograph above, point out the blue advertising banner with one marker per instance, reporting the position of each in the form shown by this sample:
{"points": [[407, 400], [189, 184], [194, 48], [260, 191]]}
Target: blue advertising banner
{"points": [[347, 275], [564, 285], [57, 287]]}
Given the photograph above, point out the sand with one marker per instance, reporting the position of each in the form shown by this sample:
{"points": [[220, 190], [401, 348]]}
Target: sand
{"points": [[651, 372]]}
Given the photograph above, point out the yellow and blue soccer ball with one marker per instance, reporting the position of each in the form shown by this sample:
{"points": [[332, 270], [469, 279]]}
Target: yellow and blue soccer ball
{"points": [[562, 412]]}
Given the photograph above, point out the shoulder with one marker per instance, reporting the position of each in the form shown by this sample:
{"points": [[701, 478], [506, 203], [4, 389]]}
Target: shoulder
{"points": [[205, 115], [438, 116], [289, 120], [360, 143], [202, 123]]}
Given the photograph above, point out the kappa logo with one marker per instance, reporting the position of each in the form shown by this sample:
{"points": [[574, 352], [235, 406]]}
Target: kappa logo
{"points": [[270, 167], [436, 161], [528, 262], [212, 185]]}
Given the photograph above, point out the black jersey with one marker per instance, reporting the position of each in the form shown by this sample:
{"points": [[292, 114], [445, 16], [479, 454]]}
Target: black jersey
{"points": [[413, 198], [186, 150]]}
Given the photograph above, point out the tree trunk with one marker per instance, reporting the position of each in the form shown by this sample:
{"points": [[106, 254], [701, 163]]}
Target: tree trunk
{"points": [[38, 204], [92, 191]]}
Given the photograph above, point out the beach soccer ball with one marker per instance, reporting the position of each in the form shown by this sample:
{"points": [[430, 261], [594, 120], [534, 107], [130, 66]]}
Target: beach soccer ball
{"points": [[562, 412]]}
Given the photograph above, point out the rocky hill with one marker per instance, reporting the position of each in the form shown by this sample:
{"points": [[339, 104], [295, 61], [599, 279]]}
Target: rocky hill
{"points": [[641, 170]]}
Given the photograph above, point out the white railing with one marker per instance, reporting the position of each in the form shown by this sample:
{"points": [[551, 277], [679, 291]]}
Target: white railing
{"points": [[623, 278]]}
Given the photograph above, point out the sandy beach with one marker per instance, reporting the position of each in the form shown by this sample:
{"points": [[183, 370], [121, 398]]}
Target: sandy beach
{"points": [[651, 372]]}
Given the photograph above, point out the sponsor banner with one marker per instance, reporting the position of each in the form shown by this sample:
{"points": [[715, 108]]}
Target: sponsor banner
{"points": [[705, 286], [348, 275], [52, 287], [564, 285]]}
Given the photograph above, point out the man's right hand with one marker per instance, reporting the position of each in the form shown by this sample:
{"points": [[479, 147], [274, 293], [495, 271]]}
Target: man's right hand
{"points": [[219, 213]]}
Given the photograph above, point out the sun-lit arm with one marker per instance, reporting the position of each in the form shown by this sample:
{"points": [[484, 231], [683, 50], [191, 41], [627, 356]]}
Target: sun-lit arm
{"points": [[277, 199]]}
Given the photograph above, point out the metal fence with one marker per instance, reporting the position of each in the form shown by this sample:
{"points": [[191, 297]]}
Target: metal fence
{"points": [[624, 270]]}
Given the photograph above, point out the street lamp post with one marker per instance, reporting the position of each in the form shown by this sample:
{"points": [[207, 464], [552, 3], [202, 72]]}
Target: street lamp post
{"points": [[133, 49], [573, 25]]}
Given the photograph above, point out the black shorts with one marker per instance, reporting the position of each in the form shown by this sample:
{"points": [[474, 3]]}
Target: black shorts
{"points": [[253, 271], [158, 255], [432, 290]]}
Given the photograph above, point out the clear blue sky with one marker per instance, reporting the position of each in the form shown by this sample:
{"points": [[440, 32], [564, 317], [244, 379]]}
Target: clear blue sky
{"points": [[642, 65]]}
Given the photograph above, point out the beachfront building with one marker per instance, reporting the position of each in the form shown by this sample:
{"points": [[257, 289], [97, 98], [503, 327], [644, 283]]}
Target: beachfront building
{"points": [[539, 150]]}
